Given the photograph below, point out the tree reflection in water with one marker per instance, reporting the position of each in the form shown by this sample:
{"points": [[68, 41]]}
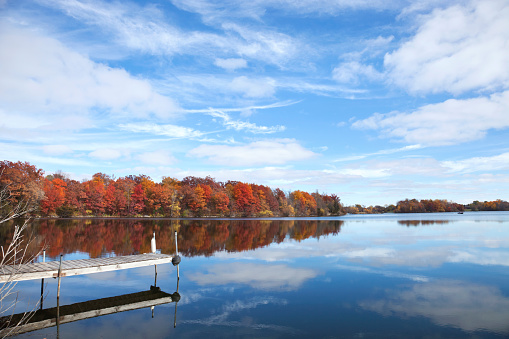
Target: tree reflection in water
{"points": [[409, 223], [105, 237]]}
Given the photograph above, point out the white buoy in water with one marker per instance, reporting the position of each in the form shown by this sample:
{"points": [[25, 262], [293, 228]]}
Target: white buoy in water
{"points": [[153, 243]]}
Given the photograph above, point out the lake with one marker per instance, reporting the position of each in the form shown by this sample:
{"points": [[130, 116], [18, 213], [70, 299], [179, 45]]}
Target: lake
{"points": [[440, 275]]}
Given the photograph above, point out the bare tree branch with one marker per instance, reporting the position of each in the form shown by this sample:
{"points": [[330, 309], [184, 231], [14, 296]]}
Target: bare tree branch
{"points": [[13, 256]]}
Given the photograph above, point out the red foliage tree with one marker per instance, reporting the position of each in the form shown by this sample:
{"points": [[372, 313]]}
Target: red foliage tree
{"points": [[219, 203], [54, 196], [138, 199], [94, 190], [244, 199], [23, 181]]}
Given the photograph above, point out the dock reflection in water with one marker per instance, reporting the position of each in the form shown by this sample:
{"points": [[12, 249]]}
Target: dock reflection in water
{"points": [[43, 318]]}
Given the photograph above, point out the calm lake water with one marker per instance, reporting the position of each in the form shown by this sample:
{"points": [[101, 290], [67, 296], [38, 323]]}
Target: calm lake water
{"points": [[378, 276]]}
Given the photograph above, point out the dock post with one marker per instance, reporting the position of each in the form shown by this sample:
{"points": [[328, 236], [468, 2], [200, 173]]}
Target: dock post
{"points": [[59, 272], [176, 261], [153, 249], [155, 276], [176, 254], [42, 280], [176, 244], [58, 297]]}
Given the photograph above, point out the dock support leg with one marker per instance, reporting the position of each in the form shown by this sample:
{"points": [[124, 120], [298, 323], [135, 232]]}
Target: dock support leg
{"points": [[175, 318], [177, 253], [42, 293], [42, 280], [58, 297], [178, 280], [59, 271], [155, 276]]}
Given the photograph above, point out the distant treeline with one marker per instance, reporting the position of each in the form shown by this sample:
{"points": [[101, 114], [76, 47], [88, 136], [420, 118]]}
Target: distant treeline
{"points": [[22, 184], [428, 206], [138, 195]]}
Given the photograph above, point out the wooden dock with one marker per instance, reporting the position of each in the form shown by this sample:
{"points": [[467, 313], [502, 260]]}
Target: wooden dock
{"points": [[42, 270], [89, 309]]}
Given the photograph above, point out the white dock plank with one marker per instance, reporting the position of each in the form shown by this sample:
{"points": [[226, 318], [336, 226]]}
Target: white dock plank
{"points": [[78, 267]]}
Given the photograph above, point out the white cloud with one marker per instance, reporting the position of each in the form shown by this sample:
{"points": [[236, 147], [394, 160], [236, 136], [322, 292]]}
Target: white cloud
{"points": [[242, 109], [366, 172], [255, 9], [243, 125], [141, 28], [381, 152], [253, 88], [167, 130], [56, 149], [272, 47], [160, 157], [146, 29], [495, 163], [23, 152], [319, 87], [457, 49], [260, 276], [274, 152], [57, 80], [352, 72], [403, 167], [106, 154], [451, 122], [230, 64]]}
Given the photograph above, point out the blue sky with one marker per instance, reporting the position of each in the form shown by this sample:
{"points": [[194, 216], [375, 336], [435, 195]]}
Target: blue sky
{"points": [[375, 101]]}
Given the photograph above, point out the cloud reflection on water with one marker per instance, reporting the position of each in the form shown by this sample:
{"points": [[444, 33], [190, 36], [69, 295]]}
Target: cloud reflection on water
{"points": [[460, 304], [222, 318], [384, 242], [259, 276], [386, 273]]}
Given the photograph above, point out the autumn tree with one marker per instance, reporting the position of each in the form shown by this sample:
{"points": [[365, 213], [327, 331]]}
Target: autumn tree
{"points": [[54, 195], [138, 199], [125, 187], [94, 190], [198, 202], [171, 187], [285, 208], [75, 200], [23, 182], [219, 202], [304, 203], [334, 205], [244, 199]]}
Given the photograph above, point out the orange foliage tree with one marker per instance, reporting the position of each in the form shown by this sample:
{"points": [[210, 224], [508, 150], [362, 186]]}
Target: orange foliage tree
{"points": [[54, 195], [24, 183], [305, 204]]}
